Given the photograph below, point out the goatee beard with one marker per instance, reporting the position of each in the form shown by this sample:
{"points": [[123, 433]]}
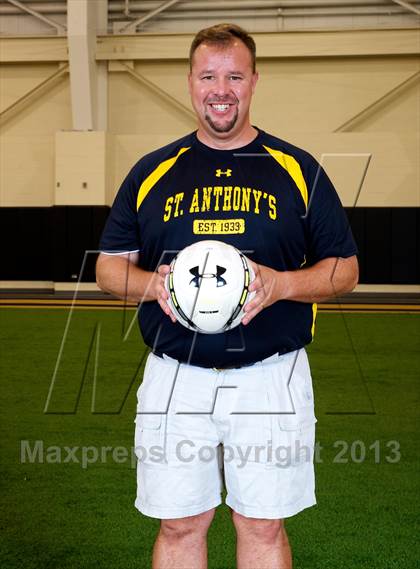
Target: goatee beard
{"points": [[226, 127]]}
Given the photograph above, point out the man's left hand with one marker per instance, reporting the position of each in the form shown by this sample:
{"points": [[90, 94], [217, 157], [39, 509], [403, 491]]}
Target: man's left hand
{"points": [[269, 286]]}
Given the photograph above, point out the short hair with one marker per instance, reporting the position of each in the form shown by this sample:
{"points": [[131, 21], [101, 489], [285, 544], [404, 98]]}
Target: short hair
{"points": [[222, 35]]}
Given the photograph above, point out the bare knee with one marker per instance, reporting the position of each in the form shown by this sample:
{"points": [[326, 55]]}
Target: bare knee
{"points": [[259, 530], [191, 527]]}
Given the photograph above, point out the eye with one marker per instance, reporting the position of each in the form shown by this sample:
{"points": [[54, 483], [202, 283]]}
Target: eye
{"points": [[235, 77], [207, 77]]}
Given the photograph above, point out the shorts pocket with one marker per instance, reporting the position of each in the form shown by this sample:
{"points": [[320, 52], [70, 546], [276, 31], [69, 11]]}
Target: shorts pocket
{"points": [[292, 425], [297, 420], [149, 439], [292, 438]]}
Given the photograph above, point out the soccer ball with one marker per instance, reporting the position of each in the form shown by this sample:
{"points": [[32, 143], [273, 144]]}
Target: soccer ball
{"points": [[208, 286]]}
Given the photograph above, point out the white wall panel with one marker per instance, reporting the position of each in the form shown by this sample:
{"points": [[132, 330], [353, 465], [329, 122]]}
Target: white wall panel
{"points": [[401, 114], [27, 170], [83, 169], [133, 109], [16, 80], [27, 146], [318, 95], [392, 178]]}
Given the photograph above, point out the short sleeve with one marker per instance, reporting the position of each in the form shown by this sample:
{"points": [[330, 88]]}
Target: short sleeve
{"points": [[121, 233], [328, 229]]}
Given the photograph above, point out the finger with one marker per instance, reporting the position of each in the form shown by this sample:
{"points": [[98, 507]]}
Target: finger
{"points": [[166, 309], [250, 315], [255, 285], [163, 293], [257, 301], [254, 266], [254, 269], [163, 270], [253, 307]]}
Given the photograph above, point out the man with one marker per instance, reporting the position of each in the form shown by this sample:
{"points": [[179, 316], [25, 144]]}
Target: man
{"points": [[248, 389]]}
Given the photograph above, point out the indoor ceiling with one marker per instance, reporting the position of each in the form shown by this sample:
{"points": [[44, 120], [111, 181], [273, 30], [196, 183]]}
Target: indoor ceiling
{"points": [[27, 17]]}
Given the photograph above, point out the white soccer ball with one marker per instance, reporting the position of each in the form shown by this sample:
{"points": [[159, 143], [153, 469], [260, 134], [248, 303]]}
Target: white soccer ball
{"points": [[208, 286]]}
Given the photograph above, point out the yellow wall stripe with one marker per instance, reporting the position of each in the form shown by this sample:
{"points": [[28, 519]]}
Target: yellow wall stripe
{"points": [[314, 311], [291, 165], [156, 175]]}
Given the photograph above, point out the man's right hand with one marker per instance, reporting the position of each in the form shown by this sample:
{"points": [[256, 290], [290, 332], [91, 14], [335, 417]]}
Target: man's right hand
{"points": [[160, 292], [121, 276]]}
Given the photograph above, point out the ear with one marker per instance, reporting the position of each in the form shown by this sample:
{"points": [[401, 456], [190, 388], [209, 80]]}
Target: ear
{"points": [[189, 82], [255, 77]]}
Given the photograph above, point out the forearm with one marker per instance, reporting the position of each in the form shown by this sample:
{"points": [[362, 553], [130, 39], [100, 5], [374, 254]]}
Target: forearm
{"points": [[123, 278], [328, 278]]}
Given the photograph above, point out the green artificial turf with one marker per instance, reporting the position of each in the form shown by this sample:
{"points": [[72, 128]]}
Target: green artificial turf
{"points": [[366, 369]]}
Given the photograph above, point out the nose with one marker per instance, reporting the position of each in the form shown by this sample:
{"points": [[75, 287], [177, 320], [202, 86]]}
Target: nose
{"points": [[221, 87]]}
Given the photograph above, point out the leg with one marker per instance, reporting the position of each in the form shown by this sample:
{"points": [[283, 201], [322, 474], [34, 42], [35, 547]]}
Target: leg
{"points": [[182, 543], [261, 543], [173, 484]]}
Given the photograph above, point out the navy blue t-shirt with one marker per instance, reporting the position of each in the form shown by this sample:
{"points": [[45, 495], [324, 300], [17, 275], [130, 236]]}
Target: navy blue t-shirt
{"points": [[269, 199]]}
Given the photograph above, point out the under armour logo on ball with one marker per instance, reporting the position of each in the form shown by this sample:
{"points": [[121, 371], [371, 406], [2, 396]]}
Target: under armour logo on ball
{"points": [[220, 281], [220, 172]]}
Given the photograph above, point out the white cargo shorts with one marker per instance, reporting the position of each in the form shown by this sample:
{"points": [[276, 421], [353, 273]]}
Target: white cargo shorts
{"points": [[250, 430]]}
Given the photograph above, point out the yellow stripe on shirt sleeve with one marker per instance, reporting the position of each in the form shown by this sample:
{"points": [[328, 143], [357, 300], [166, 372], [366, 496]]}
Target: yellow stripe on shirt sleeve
{"points": [[291, 165], [154, 177]]}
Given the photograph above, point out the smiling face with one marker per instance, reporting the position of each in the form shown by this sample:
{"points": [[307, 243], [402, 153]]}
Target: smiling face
{"points": [[221, 85]]}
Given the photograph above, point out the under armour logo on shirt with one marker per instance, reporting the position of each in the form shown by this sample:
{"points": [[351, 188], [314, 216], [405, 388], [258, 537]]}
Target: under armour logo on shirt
{"points": [[220, 172]]}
